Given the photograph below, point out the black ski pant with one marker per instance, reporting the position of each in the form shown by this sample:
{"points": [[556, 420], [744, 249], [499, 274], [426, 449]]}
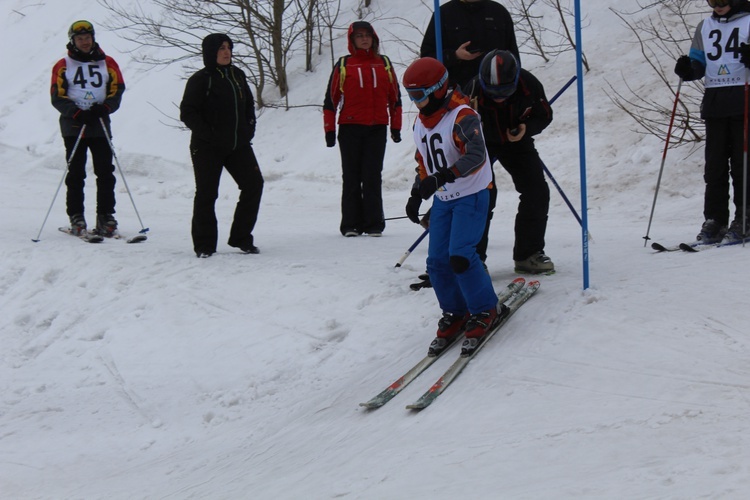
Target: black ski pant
{"points": [[243, 167], [522, 162], [362, 151], [724, 157], [104, 170]]}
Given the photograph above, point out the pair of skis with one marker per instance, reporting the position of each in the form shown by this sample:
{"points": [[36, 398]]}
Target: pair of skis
{"points": [[695, 246], [514, 296], [91, 237]]}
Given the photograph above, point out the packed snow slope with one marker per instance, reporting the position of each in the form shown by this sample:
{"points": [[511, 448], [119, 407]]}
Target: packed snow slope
{"points": [[139, 371]]}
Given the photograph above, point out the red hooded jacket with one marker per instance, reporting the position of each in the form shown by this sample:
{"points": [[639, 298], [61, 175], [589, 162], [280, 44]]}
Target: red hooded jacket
{"points": [[370, 93]]}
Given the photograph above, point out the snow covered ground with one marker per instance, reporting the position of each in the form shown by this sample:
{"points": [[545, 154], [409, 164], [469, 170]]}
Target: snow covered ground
{"points": [[139, 371]]}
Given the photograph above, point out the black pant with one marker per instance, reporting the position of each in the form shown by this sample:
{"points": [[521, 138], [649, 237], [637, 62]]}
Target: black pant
{"points": [[243, 167], [522, 162], [104, 170], [362, 151], [724, 155]]}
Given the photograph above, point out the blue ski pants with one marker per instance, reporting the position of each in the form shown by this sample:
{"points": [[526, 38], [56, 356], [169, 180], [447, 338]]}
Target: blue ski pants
{"points": [[458, 277]]}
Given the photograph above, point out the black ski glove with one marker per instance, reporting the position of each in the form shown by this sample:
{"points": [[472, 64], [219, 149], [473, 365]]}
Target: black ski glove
{"points": [[432, 183], [99, 111], [412, 206], [330, 139], [745, 54], [684, 68], [396, 135]]}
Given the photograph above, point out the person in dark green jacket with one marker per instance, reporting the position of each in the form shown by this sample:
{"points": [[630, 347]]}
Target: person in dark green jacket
{"points": [[218, 107]]}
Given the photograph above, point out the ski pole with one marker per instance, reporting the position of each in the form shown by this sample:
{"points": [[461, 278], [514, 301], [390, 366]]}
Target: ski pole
{"points": [[67, 167], [546, 170], [122, 175], [565, 198], [663, 159], [402, 217], [563, 89], [411, 248]]}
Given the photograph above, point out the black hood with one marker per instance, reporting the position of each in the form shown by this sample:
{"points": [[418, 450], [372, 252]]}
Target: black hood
{"points": [[211, 45]]}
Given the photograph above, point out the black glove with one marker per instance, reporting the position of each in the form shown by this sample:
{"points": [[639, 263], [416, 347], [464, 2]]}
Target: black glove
{"points": [[684, 68], [745, 54], [84, 116], [330, 139], [412, 206], [396, 135], [432, 183], [99, 111]]}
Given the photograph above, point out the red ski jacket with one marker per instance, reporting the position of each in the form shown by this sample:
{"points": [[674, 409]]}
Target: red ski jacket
{"points": [[365, 87]]}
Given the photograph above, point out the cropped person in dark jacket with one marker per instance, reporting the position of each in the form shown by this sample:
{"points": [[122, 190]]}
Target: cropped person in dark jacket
{"points": [[470, 29], [219, 109], [365, 86], [720, 54], [514, 108]]}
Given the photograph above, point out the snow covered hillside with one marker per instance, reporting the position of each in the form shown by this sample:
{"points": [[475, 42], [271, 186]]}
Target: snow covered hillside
{"points": [[139, 371]]}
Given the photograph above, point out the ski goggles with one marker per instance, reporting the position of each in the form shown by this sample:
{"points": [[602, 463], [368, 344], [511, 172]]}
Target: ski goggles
{"points": [[500, 91], [81, 27], [719, 3], [420, 94]]}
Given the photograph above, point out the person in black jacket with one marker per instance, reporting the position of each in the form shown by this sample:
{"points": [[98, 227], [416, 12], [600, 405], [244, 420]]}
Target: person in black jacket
{"points": [[514, 108], [470, 29], [219, 109]]}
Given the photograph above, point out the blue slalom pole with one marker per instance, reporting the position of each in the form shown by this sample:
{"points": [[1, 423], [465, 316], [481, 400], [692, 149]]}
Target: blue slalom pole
{"points": [[582, 147], [438, 32]]}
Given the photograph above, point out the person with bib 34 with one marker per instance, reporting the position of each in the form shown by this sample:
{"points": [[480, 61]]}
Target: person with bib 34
{"points": [[720, 55], [453, 168], [86, 88]]}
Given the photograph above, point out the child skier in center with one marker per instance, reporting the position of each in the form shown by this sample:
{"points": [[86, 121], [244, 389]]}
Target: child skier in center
{"points": [[453, 168]]}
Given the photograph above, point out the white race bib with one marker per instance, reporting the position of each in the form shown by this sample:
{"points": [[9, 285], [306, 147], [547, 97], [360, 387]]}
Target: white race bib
{"points": [[438, 150], [721, 42], [87, 81]]}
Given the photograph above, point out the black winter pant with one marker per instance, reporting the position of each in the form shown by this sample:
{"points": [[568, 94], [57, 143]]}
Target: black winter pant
{"points": [[362, 151], [243, 167], [104, 170], [724, 156], [522, 162]]}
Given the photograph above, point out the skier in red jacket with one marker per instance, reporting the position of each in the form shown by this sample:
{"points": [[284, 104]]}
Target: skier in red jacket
{"points": [[365, 87]]}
